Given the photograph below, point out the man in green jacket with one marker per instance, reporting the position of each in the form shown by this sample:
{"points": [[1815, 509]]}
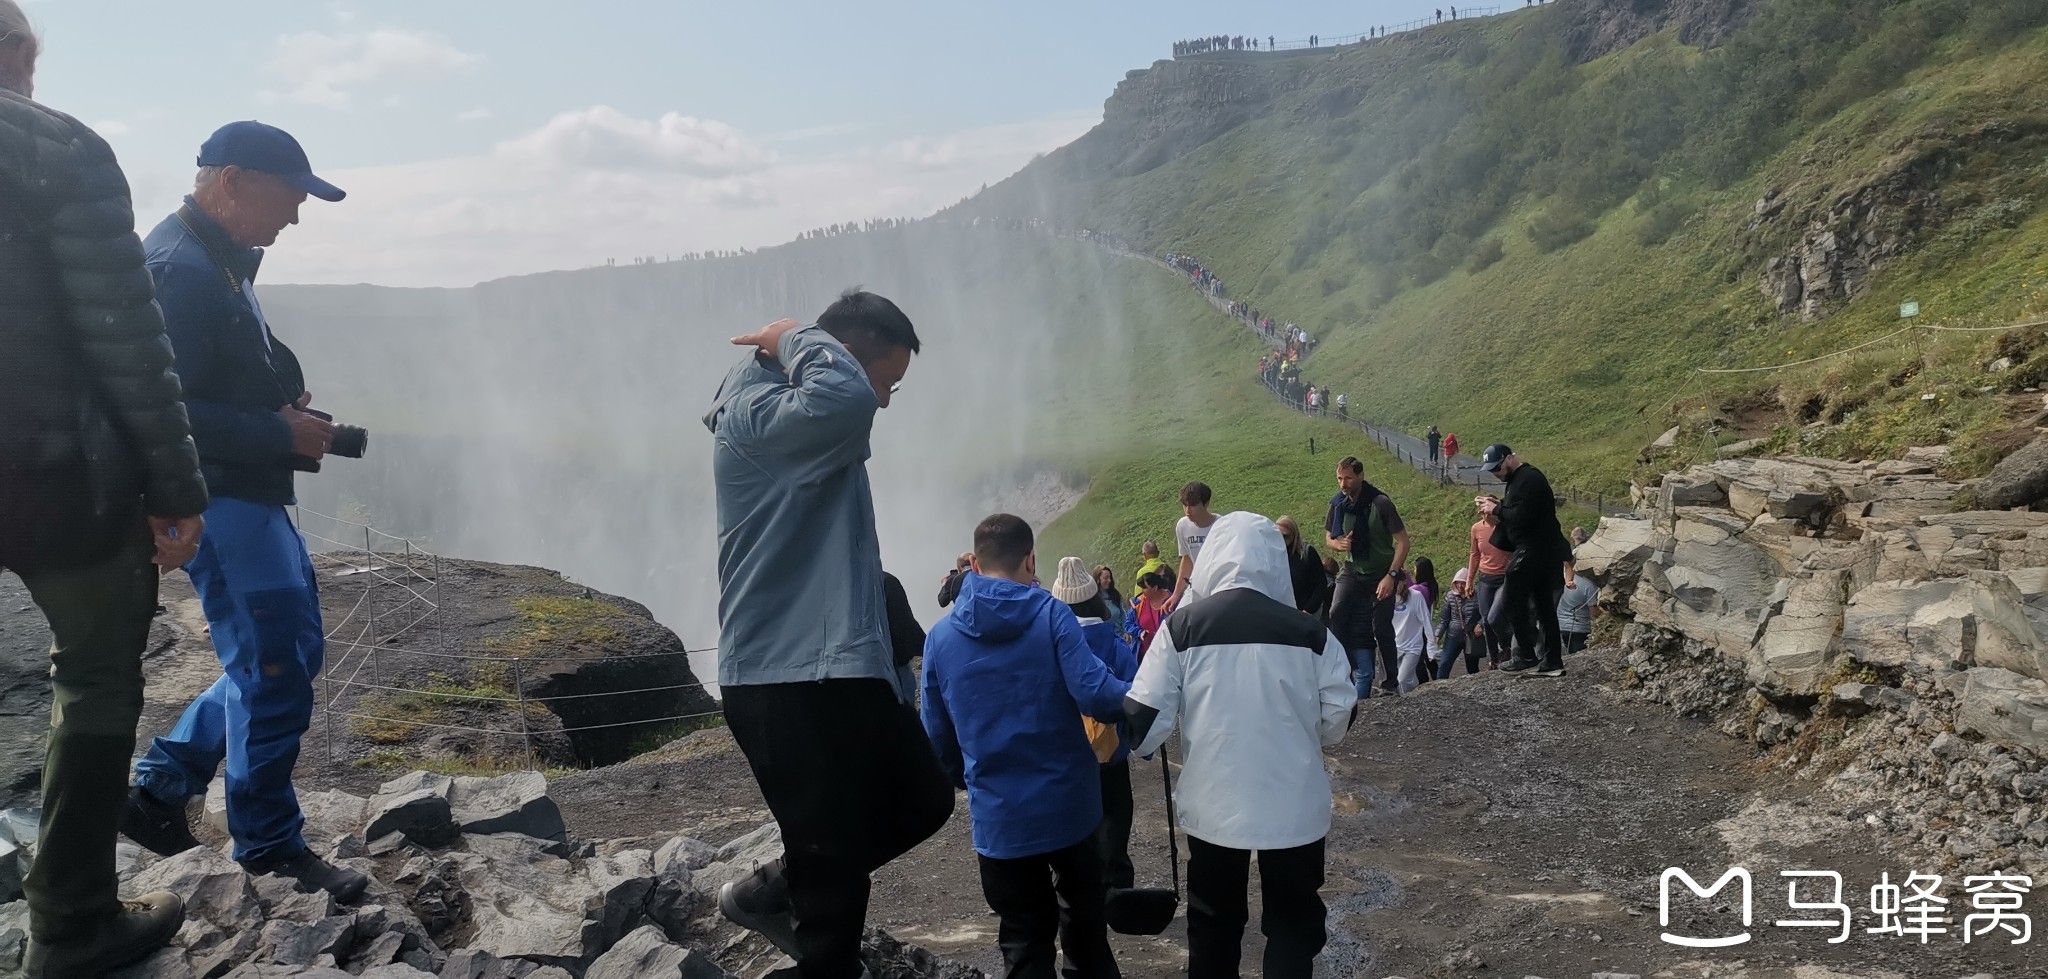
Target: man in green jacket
{"points": [[99, 481]]}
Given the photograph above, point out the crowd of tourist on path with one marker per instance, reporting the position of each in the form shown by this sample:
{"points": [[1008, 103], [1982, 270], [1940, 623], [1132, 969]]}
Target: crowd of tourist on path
{"points": [[1033, 695], [1227, 42]]}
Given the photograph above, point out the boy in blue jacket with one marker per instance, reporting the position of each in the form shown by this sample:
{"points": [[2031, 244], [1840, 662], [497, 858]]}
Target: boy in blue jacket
{"points": [[1005, 676]]}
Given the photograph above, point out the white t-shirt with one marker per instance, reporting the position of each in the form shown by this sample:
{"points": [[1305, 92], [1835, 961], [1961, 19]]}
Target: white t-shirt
{"points": [[1191, 538]]}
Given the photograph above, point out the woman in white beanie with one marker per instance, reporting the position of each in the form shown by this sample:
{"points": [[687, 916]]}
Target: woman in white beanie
{"points": [[1079, 589]]}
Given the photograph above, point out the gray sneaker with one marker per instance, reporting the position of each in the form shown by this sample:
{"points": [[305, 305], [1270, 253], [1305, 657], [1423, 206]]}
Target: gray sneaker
{"points": [[760, 904], [135, 933]]}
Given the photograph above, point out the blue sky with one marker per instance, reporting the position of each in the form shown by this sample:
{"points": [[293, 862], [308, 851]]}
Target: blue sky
{"points": [[485, 139]]}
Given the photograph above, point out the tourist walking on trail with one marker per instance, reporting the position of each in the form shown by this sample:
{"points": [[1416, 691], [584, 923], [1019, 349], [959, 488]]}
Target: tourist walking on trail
{"points": [[1487, 566], [1008, 676], [1343, 408], [1102, 625], [112, 499], [1304, 566], [1575, 610], [796, 525], [1529, 593], [247, 398], [950, 587], [1258, 690], [1364, 529], [1152, 562], [1189, 533], [1414, 633], [1155, 594], [1435, 443], [1451, 455], [1455, 627]]}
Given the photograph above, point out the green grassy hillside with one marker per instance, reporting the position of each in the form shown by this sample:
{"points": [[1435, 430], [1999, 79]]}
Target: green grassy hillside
{"points": [[1192, 409], [1501, 234]]}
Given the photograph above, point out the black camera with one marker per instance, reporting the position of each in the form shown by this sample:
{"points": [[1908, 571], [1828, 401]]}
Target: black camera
{"points": [[347, 441]]}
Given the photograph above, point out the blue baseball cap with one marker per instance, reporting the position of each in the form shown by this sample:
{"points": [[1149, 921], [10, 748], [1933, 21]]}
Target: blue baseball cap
{"points": [[252, 145]]}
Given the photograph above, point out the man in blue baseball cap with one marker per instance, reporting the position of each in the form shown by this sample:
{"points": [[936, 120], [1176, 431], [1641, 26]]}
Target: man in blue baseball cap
{"points": [[247, 399]]}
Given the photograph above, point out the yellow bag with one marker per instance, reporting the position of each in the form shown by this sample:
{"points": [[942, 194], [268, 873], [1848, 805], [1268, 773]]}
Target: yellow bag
{"points": [[1103, 738]]}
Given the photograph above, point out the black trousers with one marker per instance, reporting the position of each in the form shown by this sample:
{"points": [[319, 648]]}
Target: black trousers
{"points": [[1114, 835], [1051, 895], [1364, 623], [1292, 918], [851, 778], [1528, 603]]}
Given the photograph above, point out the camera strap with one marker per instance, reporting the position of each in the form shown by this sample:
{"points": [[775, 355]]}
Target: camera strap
{"points": [[213, 252]]}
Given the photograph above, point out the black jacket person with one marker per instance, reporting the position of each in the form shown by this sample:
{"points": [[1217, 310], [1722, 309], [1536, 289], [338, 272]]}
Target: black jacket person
{"points": [[95, 455], [1529, 530]]}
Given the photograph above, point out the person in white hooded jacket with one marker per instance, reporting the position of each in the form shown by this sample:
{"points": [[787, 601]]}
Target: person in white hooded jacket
{"points": [[1258, 689]]}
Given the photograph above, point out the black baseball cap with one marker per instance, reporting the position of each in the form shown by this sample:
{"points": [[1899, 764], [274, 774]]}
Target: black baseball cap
{"points": [[1496, 454], [267, 149]]}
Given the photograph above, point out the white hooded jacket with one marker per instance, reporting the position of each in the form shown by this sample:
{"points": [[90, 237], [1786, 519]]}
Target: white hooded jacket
{"points": [[1258, 689]]}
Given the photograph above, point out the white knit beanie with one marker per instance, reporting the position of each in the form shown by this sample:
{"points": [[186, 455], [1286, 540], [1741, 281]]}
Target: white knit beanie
{"points": [[1074, 585]]}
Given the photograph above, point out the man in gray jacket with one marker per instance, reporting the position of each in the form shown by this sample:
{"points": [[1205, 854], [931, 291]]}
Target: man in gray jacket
{"points": [[816, 696]]}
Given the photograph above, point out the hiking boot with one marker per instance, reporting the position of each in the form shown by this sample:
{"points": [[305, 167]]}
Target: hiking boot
{"points": [[156, 825], [1552, 668], [313, 874], [760, 904], [1518, 665], [134, 933]]}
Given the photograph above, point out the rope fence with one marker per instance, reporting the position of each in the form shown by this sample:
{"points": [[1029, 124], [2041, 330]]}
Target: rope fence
{"points": [[381, 651]]}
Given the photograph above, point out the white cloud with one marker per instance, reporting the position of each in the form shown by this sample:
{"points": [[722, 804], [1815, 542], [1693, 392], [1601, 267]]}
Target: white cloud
{"points": [[321, 69], [598, 184], [603, 138], [477, 114]]}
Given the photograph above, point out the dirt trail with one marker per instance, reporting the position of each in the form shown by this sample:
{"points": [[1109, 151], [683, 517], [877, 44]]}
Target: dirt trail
{"points": [[1491, 826]]}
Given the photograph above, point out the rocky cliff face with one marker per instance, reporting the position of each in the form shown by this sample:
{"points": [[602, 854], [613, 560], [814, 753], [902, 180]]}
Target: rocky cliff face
{"points": [[1602, 27], [1841, 617]]}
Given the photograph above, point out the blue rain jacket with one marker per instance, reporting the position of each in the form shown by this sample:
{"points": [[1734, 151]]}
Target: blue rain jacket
{"points": [[1007, 675]]}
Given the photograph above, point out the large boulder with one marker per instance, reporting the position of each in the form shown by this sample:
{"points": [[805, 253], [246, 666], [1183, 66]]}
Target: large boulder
{"points": [[1947, 623], [222, 912], [1711, 584], [416, 805], [1615, 554], [2018, 480], [648, 954], [1798, 646], [2003, 706], [515, 803]]}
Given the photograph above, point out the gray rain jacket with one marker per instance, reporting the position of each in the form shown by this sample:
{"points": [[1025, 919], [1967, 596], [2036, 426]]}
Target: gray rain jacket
{"points": [[799, 566]]}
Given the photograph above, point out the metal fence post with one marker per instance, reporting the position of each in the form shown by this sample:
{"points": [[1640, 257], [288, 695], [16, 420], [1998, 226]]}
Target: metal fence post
{"points": [[525, 730]]}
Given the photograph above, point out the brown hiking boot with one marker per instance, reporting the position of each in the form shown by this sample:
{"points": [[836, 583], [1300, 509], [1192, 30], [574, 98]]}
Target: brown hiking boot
{"points": [[135, 933]]}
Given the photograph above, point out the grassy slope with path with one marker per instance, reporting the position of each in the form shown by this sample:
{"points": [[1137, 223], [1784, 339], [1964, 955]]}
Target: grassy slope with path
{"points": [[1362, 202], [1195, 410]]}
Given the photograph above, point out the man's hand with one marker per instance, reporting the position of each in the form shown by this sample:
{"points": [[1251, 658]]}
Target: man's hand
{"points": [[1341, 545], [1486, 505], [965, 561], [768, 338], [311, 436], [177, 540], [1386, 588]]}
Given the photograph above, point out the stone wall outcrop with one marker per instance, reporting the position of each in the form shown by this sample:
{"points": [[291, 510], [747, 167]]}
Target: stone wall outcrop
{"points": [[1853, 626]]}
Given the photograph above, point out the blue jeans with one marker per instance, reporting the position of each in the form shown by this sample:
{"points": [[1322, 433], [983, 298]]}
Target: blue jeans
{"points": [[256, 584], [1455, 642]]}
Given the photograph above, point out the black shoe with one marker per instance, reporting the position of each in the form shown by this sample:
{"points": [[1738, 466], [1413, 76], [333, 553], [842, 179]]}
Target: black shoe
{"points": [[760, 904], [156, 825], [143, 925], [313, 874], [1553, 668], [1518, 665]]}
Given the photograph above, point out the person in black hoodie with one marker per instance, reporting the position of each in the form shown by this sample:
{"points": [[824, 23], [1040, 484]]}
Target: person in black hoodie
{"points": [[1305, 566], [1528, 529]]}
